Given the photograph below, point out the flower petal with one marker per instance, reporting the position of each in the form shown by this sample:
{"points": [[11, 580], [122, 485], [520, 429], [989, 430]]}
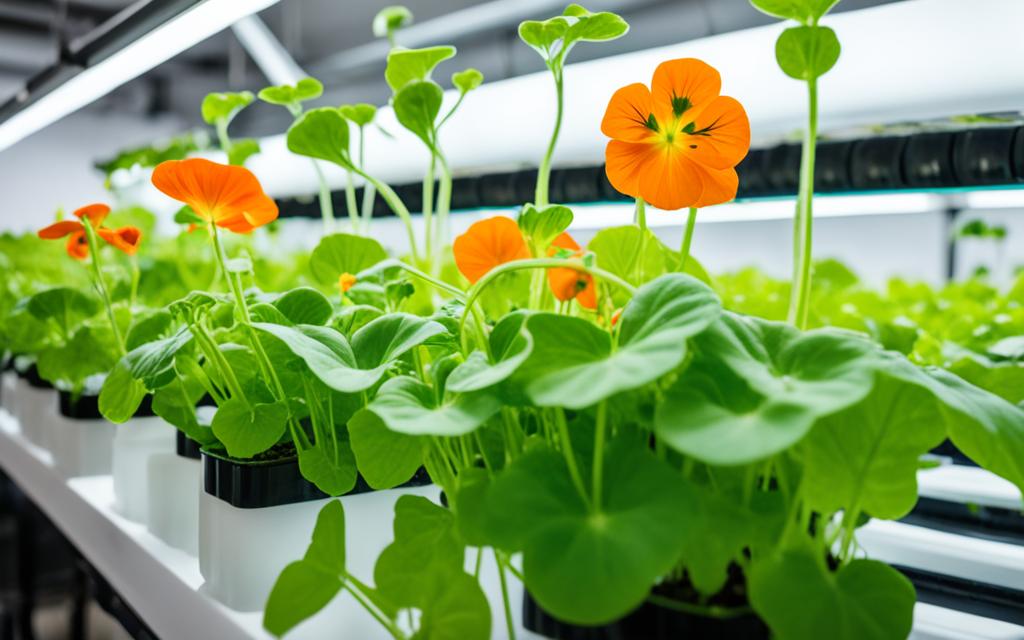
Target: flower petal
{"points": [[563, 241], [60, 229], [624, 162], [681, 88], [216, 192], [96, 213], [627, 114], [487, 244], [719, 186], [723, 134], [126, 239], [669, 180], [78, 245]]}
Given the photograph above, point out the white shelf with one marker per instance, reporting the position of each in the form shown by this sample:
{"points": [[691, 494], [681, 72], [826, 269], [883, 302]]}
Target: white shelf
{"points": [[966, 484], [164, 586]]}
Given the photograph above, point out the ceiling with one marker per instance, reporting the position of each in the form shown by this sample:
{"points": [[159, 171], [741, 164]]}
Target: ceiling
{"points": [[332, 40]]}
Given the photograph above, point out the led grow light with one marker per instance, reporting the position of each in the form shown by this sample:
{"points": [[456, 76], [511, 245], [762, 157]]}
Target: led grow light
{"points": [[159, 45]]}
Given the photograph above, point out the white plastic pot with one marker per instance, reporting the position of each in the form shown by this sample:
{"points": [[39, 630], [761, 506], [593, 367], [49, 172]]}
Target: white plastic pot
{"points": [[173, 504], [80, 447], [35, 409], [8, 383], [135, 443], [242, 551]]}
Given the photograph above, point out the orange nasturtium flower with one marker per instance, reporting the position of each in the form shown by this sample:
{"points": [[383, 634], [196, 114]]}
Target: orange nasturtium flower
{"points": [[228, 196], [124, 238], [677, 144], [567, 283], [487, 244], [346, 281]]}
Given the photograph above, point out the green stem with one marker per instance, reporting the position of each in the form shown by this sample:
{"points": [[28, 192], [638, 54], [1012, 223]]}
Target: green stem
{"points": [[350, 586], [544, 172], [368, 189], [444, 205], [350, 202], [684, 251], [641, 214], [222, 136], [570, 457], [428, 210], [136, 275], [100, 283], [599, 435], [722, 613], [536, 263], [398, 207], [455, 292], [326, 206], [800, 297], [509, 624]]}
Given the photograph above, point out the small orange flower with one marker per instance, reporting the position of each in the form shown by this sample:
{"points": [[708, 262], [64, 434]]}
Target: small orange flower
{"points": [[126, 238], [677, 144], [616, 315], [487, 244], [346, 281], [229, 196], [567, 283]]}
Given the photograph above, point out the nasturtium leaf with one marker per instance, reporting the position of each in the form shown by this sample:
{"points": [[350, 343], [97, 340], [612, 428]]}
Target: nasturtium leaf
{"points": [[186, 215], [242, 150], [573, 364], [341, 253], [866, 456], [758, 387], [152, 363], [248, 430], [89, 351], [329, 465], [287, 95], [456, 610], [385, 458], [176, 404], [148, 328], [351, 318], [322, 134], [426, 550], [67, 307], [361, 114], [593, 27], [263, 312], [121, 394], [390, 336], [222, 107], [631, 253], [390, 19], [510, 346], [541, 35], [410, 65], [467, 80], [806, 53], [305, 305], [416, 106], [801, 599], [985, 427], [1003, 378], [306, 586], [786, 9], [1011, 348], [408, 406], [583, 566], [541, 226], [470, 505]]}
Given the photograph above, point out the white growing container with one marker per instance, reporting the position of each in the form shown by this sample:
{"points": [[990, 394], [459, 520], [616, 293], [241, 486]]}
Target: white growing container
{"points": [[8, 384], [35, 409], [174, 484], [80, 447], [135, 443]]}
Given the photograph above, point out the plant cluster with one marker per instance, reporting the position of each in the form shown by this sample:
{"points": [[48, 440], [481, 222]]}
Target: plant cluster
{"points": [[605, 429]]}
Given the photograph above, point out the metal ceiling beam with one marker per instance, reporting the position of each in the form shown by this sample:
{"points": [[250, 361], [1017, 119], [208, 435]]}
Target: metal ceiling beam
{"points": [[454, 26], [267, 51]]}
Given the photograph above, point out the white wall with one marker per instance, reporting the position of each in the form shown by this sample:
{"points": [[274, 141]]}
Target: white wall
{"points": [[54, 168]]}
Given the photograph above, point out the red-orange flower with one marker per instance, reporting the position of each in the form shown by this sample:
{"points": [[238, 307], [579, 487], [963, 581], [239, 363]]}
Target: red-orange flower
{"points": [[346, 281], [229, 196], [677, 144], [567, 283], [487, 244], [125, 238]]}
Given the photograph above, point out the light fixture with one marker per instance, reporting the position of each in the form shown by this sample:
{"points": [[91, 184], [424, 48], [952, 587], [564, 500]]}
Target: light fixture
{"points": [[189, 27]]}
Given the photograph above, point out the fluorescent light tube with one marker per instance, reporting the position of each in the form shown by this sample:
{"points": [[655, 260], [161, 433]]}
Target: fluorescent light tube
{"points": [[156, 47]]}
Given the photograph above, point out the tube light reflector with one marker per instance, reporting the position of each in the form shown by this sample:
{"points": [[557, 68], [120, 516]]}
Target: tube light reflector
{"points": [[156, 47]]}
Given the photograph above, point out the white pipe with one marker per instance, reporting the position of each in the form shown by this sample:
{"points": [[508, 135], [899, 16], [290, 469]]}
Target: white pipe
{"points": [[267, 52]]}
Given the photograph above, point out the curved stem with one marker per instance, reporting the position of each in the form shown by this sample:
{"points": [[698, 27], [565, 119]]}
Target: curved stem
{"points": [[540, 197], [368, 190], [570, 457], [444, 286], [100, 283], [536, 263], [398, 207], [684, 251], [326, 206], [350, 202], [509, 623], [800, 296], [428, 210], [444, 203], [599, 435]]}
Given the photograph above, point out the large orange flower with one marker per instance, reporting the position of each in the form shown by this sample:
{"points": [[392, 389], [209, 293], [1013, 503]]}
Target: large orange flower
{"points": [[229, 196], [126, 239], [677, 144], [567, 283], [487, 244]]}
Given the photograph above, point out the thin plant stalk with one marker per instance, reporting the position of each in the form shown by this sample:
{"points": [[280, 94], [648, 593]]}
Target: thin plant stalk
{"points": [[369, 191], [428, 211], [326, 205], [544, 172], [100, 283], [800, 297], [684, 251]]}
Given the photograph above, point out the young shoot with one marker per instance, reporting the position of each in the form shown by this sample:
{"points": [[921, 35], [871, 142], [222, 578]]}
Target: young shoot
{"points": [[218, 110]]}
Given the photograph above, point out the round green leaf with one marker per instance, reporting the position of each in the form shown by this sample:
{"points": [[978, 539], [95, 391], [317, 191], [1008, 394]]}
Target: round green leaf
{"points": [[304, 305], [410, 65], [287, 95], [406, 405], [467, 80], [341, 253], [416, 106], [246, 431], [222, 107], [121, 394], [360, 114], [806, 53], [323, 134], [385, 458], [390, 19]]}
